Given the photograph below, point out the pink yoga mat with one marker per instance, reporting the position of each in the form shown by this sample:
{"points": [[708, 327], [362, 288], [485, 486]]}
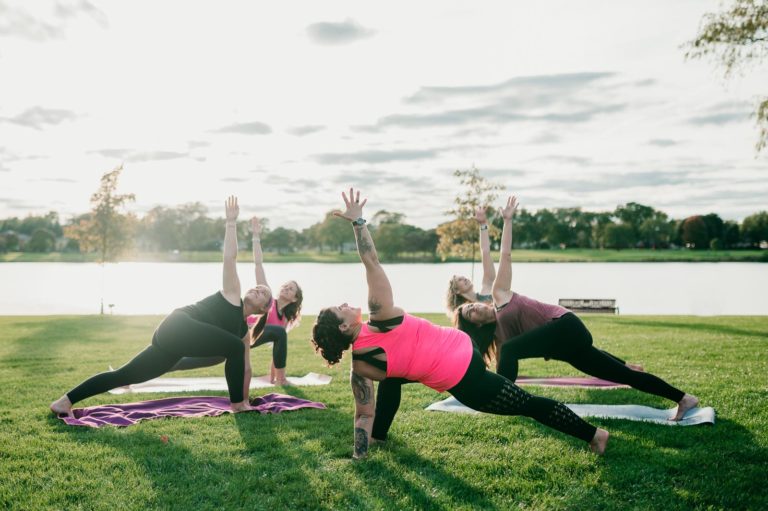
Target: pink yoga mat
{"points": [[566, 381], [127, 414]]}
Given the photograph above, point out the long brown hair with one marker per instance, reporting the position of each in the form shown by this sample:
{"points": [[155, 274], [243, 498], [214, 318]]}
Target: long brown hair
{"points": [[258, 328], [292, 311], [483, 336]]}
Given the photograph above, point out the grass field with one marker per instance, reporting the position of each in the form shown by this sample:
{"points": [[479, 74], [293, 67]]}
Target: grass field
{"points": [[301, 460], [562, 256]]}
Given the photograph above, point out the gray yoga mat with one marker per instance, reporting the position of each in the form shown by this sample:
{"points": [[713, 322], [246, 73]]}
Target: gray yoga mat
{"points": [[214, 383], [694, 416]]}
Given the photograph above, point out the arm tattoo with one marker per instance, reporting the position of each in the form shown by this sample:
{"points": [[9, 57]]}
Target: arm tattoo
{"points": [[361, 442], [364, 245], [361, 389], [374, 307]]}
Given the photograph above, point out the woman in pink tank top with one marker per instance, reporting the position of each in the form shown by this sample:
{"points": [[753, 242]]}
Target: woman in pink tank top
{"points": [[520, 327], [394, 344]]}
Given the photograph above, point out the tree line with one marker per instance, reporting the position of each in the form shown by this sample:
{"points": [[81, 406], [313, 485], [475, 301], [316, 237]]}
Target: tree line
{"points": [[109, 230]]}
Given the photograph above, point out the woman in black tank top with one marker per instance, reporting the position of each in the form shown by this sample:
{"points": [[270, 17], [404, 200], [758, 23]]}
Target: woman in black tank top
{"points": [[214, 326]]}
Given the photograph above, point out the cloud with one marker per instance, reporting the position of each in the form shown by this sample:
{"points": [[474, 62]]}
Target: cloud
{"points": [[130, 155], [545, 138], [300, 131], [536, 86], [235, 179], [56, 180], [663, 142], [38, 117], [581, 161], [374, 156], [328, 33], [723, 113], [246, 128], [16, 22], [618, 181]]}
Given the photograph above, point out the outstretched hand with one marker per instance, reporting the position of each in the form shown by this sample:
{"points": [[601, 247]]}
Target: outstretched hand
{"points": [[480, 215], [256, 226], [354, 206], [508, 211], [231, 208]]}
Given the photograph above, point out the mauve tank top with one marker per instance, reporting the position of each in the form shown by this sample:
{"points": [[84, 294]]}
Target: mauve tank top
{"points": [[421, 351], [522, 314]]}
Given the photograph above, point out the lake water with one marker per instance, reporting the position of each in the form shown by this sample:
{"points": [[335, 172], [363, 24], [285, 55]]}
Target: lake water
{"points": [[158, 288]]}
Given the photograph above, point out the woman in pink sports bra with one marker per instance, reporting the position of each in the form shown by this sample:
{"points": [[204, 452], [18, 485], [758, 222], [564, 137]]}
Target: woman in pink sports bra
{"points": [[394, 344]]}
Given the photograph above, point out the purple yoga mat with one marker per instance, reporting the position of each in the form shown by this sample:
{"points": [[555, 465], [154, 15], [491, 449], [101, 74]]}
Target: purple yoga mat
{"points": [[565, 381], [127, 414]]}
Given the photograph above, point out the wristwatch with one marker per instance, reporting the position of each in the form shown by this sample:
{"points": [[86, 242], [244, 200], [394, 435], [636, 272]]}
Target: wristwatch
{"points": [[359, 222], [483, 227]]}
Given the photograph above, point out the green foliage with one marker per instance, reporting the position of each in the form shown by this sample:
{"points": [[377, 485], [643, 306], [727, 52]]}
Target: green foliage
{"points": [[695, 233], [459, 236], [335, 232], [42, 240], [755, 228], [618, 236], [281, 239], [301, 460], [737, 38], [106, 230]]}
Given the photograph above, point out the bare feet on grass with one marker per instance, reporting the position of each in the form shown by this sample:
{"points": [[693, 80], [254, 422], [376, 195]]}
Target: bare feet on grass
{"points": [[278, 377], [689, 401], [62, 406], [636, 367], [242, 406], [599, 442]]}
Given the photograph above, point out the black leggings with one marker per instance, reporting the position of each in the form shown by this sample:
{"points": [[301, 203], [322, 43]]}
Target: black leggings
{"points": [[275, 334], [485, 391], [178, 335], [567, 339]]}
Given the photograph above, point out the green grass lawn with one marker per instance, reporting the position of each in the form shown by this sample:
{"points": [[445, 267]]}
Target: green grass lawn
{"points": [[301, 460], [562, 256]]}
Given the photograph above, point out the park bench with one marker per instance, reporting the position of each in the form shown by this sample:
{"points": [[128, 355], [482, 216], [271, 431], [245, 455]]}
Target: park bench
{"points": [[602, 305]]}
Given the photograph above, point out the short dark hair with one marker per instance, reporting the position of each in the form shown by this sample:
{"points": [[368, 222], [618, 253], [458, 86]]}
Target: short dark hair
{"points": [[329, 341]]}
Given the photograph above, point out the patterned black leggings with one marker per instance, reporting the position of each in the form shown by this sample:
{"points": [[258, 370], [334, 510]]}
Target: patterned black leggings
{"points": [[178, 335], [489, 392], [567, 339]]}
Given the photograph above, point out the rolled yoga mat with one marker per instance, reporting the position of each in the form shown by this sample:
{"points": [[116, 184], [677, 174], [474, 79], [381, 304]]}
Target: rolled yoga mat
{"points": [[694, 416]]}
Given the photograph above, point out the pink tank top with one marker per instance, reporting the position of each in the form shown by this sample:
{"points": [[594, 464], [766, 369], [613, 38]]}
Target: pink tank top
{"points": [[273, 318], [421, 351], [522, 314]]}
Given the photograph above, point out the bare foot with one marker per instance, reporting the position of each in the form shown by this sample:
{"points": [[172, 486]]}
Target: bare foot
{"points": [[599, 442], [62, 406], [242, 406], [635, 367], [689, 401], [279, 377]]}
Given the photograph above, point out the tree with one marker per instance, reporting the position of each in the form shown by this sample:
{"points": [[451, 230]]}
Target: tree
{"points": [[737, 38], [107, 230], [459, 236], [694, 232], [281, 239], [335, 232], [618, 236], [42, 240], [755, 228]]}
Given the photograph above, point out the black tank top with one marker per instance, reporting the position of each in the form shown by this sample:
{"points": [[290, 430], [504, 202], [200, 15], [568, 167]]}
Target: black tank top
{"points": [[217, 311], [370, 356]]}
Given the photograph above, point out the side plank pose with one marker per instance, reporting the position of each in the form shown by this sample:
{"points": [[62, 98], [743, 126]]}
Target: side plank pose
{"points": [[282, 315], [394, 344], [214, 326], [521, 327], [460, 288]]}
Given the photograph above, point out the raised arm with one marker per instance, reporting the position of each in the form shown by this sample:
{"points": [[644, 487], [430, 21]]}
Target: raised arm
{"points": [[365, 411], [489, 272], [258, 256], [380, 300], [502, 285], [231, 283]]}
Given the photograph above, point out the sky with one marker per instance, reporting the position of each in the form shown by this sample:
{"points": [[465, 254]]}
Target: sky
{"points": [[586, 104]]}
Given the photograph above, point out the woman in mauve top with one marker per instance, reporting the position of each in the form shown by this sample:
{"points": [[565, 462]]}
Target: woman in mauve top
{"points": [[213, 327], [394, 344], [520, 327], [283, 314]]}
